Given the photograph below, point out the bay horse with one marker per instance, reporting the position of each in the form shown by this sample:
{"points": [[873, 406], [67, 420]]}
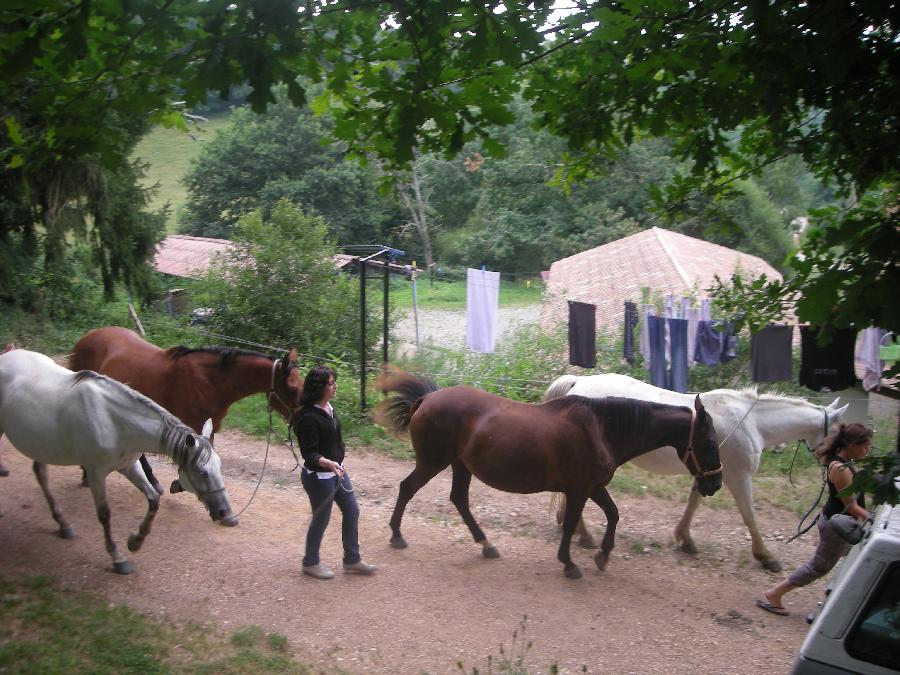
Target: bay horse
{"points": [[194, 384], [746, 422], [55, 416], [571, 445]]}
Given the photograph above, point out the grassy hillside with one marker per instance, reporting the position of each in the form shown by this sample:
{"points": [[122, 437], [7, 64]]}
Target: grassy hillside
{"points": [[169, 152]]}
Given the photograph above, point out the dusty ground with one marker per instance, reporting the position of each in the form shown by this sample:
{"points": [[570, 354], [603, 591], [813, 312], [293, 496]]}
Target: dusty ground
{"points": [[654, 610]]}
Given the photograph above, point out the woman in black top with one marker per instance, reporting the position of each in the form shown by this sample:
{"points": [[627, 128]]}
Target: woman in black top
{"points": [[836, 452], [323, 474]]}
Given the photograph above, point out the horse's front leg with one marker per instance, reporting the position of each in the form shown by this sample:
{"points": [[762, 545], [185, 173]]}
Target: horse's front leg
{"points": [[459, 495], [65, 530], [97, 483], [409, 486], [601, 497], [742, 489], [136, 475], [683, 529], [574, 509]]}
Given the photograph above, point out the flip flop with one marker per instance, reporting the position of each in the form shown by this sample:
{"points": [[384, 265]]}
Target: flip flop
{"points": [[769, 607]]}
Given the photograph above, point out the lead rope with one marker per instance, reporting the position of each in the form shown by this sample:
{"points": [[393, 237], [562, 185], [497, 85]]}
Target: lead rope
{"points": [[800, 532], [262, 471]]}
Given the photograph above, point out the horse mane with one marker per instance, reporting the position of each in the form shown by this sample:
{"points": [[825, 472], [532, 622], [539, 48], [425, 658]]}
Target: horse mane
{"points": [[753, 392], [623, 419], [174, 432], [228, 355]]}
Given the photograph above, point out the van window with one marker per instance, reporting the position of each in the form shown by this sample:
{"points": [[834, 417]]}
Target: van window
{"points": [[876, 636]]}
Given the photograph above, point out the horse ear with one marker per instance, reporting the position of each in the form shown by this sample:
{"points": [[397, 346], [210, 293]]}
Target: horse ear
{"points": [[698, 405], [207, 428], [292, 355]]}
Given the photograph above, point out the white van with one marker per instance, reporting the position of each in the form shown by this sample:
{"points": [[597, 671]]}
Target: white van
{"points": [[857, 629]]}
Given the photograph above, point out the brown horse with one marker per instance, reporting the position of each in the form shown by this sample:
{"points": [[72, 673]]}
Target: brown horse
{"points": [[193, 384], [571, 445]]}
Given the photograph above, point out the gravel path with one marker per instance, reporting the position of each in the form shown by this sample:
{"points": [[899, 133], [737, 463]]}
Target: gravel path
{"points": [[447, 328]]}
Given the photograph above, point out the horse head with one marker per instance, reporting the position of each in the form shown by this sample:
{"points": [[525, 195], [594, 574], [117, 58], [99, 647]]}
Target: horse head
{"points": [[287, 386], [200, 472], [702, 455]]}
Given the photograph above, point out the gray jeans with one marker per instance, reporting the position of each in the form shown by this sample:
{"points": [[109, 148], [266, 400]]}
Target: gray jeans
{"points": [[830, 549], [323, 492]]}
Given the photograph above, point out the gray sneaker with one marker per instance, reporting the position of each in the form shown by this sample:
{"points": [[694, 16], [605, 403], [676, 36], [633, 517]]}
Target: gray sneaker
{"points": [[360, 567], [318, 571]]}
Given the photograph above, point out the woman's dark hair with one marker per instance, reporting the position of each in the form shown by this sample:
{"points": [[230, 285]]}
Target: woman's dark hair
{"points": [[844, 435], [315, 382]]}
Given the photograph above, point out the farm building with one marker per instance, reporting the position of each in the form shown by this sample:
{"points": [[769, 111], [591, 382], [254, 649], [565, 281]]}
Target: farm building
{"points": [[660, 260]]}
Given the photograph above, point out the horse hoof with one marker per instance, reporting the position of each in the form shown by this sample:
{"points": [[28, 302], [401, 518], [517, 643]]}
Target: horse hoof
{"points": [[175, 487], [123, 567], [771, 565], [689, 547], [66, 533], [490, 552], [134, 544], [573, 572], [229, 521], [601, 559], [398, 542]]}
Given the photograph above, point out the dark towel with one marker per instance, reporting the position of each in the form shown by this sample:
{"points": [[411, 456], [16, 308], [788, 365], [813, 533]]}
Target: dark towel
{"points": [[828, 368], [656, 327], [678, 379], [770, 354], [582, 334], [729, 342], [631, 319]]}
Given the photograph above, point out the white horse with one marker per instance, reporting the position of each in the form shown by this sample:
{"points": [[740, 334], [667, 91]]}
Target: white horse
{"points": [[55, 416], [746, 422]]}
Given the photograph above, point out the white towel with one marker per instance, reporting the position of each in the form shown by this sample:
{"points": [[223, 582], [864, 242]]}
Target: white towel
{"points": [[867, 353], [646, 311], [482, 298]]}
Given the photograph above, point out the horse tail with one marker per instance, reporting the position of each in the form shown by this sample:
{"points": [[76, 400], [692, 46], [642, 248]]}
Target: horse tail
{"points": [[403, 395], [560, 387]]}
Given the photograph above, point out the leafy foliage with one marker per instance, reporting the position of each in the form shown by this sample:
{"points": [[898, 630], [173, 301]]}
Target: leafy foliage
{"points": [[280, 286], [260, 159]]}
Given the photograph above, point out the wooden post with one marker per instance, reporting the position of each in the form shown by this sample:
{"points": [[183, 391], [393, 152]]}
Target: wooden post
{"points": [[362, 335], [384, 348]]}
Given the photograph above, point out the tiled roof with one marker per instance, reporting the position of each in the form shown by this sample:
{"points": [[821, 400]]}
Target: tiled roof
{"points": [[184, 256], [662, 260]]}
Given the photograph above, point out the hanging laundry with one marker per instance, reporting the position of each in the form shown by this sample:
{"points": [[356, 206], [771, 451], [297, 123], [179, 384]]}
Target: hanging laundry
{"points": [[631, 318], [770, 354], [656, 327], [582, 334], [867, 352], [705, 310], [482, 298], [693, 319], [646, 312], [729, 342], [708, 344], [828, 368], [678, 376]]}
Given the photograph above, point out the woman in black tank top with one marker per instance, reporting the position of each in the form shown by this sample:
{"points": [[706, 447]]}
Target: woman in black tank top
{"points": [[837, 452]]}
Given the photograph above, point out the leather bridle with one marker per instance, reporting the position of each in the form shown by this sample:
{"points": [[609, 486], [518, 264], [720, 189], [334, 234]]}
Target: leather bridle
{"points": [[690, 457], [274, 394]]}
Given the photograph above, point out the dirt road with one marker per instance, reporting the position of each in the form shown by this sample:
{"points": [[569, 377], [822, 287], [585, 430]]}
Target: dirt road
{"points": [[654, 610]]}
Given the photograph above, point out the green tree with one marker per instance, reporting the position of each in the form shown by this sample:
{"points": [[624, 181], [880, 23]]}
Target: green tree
{"points": [[260, 159], [280, 286]]}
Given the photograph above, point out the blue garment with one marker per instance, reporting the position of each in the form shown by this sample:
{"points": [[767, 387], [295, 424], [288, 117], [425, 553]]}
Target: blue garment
{"points": [[709, 344], [678, 377], [322, 494], [729, 342], [656, 327]]}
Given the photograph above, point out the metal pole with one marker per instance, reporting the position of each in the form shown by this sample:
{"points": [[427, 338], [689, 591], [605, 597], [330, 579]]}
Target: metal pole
{"points": [[362, 335], [384, 350]]}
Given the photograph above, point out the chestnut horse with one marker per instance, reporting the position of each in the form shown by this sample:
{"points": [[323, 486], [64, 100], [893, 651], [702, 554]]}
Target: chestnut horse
{"points": [[193, 384], [571, 445]]}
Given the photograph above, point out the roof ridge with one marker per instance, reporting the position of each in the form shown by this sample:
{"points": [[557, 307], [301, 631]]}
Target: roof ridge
{"points": [[678, 268]]}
